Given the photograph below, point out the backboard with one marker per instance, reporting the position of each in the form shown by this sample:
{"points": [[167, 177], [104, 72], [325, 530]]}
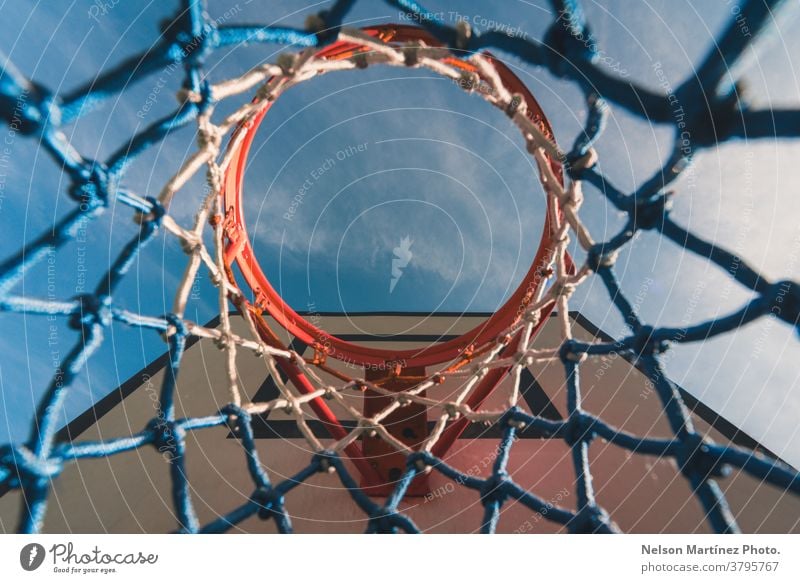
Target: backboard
{"points": [[130, 492]]}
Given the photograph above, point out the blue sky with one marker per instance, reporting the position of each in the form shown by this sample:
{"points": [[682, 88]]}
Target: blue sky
{"points": [[419, 159]]}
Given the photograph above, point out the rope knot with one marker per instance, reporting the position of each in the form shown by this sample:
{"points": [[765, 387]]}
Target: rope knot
{"points": [[650, 213], [569, 352], [35, 110], [156, 214], [561, 287], [269, 501], [579, 428], [591, 520], [93, 188], [91, 311], [234, 416], [206, 96], [385, 521], [645, 342], [578, 162], [165, 433], [514, 417], [24, 467], [420, 461], [516, 105], [326, 461], [187, 47], [190, 243], [694, 456], [494, 489]]}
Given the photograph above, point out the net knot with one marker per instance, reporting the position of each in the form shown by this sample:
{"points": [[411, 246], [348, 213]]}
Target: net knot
{"points": [[224, 340], [516, 105], [36, 111], [495, 489], [234, 417], [533, 316], [694, 456], [420, 461], [92, 189], [368, 426], [384, 520], [191, 243], [514, 417], [176, 325], [165, 435], [270, 502], [186, 46], [451, 409], [569, 352], [646, 343], [156, 214], [650, 213], [210, 136], [23, 467], [590, 520], [577, 162], [203, 99], [91, 311], [579, 428], [326, 461], [562, 287]]}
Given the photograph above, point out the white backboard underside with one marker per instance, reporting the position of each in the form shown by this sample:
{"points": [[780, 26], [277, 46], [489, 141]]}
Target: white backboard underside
{"points": [[130, 492]]}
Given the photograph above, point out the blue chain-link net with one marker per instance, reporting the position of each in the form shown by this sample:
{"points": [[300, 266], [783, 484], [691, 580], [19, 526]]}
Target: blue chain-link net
{"points": [[714, 116]]}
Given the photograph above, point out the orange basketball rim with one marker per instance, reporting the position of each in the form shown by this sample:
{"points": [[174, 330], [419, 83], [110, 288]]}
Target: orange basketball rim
{"points": [[399, 369]]}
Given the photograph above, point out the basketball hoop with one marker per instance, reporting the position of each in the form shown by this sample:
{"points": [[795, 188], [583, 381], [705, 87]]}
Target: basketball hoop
{"points": [[400, 369]]}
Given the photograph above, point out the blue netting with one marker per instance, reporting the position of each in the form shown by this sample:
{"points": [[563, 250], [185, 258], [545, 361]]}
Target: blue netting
{"points": [[716, 114]]}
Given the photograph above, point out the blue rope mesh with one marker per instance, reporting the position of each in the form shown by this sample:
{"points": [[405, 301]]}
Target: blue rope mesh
{"points": [[716, 114]]}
